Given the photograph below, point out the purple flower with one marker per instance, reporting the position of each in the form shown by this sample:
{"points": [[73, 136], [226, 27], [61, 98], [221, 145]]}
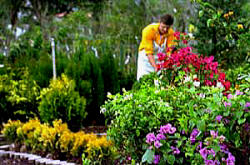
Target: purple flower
{"points": [[229, 96], [214, 134], [221, 138], [175, 150], [227, 104], [218, 118], [172, 130], [238, 92], [209, 162], [150, 138], [247, 104], [230, 160], [216, 162], [165, 129], [160, 137], [226, 121], [211, 152], [204, 153], [223, 148], [157, 159], [183, 132], [157, 144], [200, 145], [193, 135], [207, 110], [246, 126]]}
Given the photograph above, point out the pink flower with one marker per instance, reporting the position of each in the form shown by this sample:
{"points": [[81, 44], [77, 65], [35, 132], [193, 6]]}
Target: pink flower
{"points": [[160, 137], [238, 92], [175, 150], [222, 76], [208, 83], [161, 56], [157, 159], [226, 104], [157, 144], [209, 60], [172, 130], [165, 129], [150, 138], [218, 118], [230, 96], [214, 134]]}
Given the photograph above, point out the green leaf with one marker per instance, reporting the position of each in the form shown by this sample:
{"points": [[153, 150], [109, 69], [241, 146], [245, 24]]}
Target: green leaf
{"points": [[201, 125], [137, 132], [201, 13], [148, 156], [171, 159], [241, 121], [209, 21]]}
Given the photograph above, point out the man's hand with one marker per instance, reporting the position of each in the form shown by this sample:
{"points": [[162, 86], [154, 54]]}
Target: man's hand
{"points": [[151, 60]]}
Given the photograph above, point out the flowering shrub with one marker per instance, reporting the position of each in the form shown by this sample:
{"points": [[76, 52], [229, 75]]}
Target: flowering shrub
{"points": [[58, 139], [205, 69], [29, 133], [164, 148], [193, 111], [10, 129]]}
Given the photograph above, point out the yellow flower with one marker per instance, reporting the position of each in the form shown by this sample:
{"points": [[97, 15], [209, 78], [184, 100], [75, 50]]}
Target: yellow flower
{"points": [[226, 15], [240, 26], [230, 13]]}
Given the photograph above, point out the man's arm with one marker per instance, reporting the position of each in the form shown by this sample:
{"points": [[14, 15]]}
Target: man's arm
{"points": [[151, 60]]}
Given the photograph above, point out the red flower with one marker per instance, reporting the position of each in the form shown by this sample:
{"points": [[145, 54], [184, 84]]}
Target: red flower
{"points": [[226, 85], [222, 76]]}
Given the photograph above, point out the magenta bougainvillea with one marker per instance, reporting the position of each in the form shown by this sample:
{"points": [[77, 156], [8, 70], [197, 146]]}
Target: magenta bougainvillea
{"points": [[184, 59]]}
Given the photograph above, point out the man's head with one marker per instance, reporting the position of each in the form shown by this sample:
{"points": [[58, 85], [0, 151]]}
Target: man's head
{"points": [[165, 22]]}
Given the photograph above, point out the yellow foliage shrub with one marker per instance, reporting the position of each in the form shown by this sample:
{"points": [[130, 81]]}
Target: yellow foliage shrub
{"points": [[9, 129]]}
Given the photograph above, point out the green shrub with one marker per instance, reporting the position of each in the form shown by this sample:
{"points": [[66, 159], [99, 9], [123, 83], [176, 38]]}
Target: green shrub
{"points": [[187, 108], [61, 101], [18, 95], [222, 30]]}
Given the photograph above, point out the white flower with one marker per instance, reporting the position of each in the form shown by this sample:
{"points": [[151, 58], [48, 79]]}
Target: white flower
{"points": [[128, 97], [156, 82], [103, 110], [202, 95], [109, 95], [187, 79], [197, 83], [219, 85]]}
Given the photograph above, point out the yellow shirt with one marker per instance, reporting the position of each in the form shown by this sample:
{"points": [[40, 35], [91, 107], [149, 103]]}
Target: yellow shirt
{"points": [[151, 34]]}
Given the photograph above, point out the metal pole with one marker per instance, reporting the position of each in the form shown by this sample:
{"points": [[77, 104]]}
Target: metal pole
{"points": [[53, 57]]}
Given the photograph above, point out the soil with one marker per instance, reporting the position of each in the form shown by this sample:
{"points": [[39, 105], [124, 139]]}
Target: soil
{"points": [[95, 129]]}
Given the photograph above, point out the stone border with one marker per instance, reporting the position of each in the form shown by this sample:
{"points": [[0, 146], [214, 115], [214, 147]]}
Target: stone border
{"points": [[37, 160]]}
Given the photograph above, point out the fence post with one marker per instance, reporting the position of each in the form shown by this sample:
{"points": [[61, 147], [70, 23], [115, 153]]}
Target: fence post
{"points": [[53, 57]]}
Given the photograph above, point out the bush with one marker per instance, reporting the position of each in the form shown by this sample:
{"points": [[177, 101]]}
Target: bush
{"points": [[10, 130], [60, 141], [222, 30], [60, 101], [18, 94], [135, 114]]}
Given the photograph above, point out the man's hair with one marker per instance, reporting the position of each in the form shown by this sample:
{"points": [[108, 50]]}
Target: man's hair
{"points": [[167, 19]]}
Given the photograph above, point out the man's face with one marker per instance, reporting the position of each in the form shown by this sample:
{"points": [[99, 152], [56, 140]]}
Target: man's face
{"points": [[163, 28]]}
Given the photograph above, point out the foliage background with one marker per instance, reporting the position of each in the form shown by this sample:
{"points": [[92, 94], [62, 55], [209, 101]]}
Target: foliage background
{"points": [[97, 41]]}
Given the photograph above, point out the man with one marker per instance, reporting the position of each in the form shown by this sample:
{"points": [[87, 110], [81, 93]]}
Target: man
{"points": [[156, 37]]}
